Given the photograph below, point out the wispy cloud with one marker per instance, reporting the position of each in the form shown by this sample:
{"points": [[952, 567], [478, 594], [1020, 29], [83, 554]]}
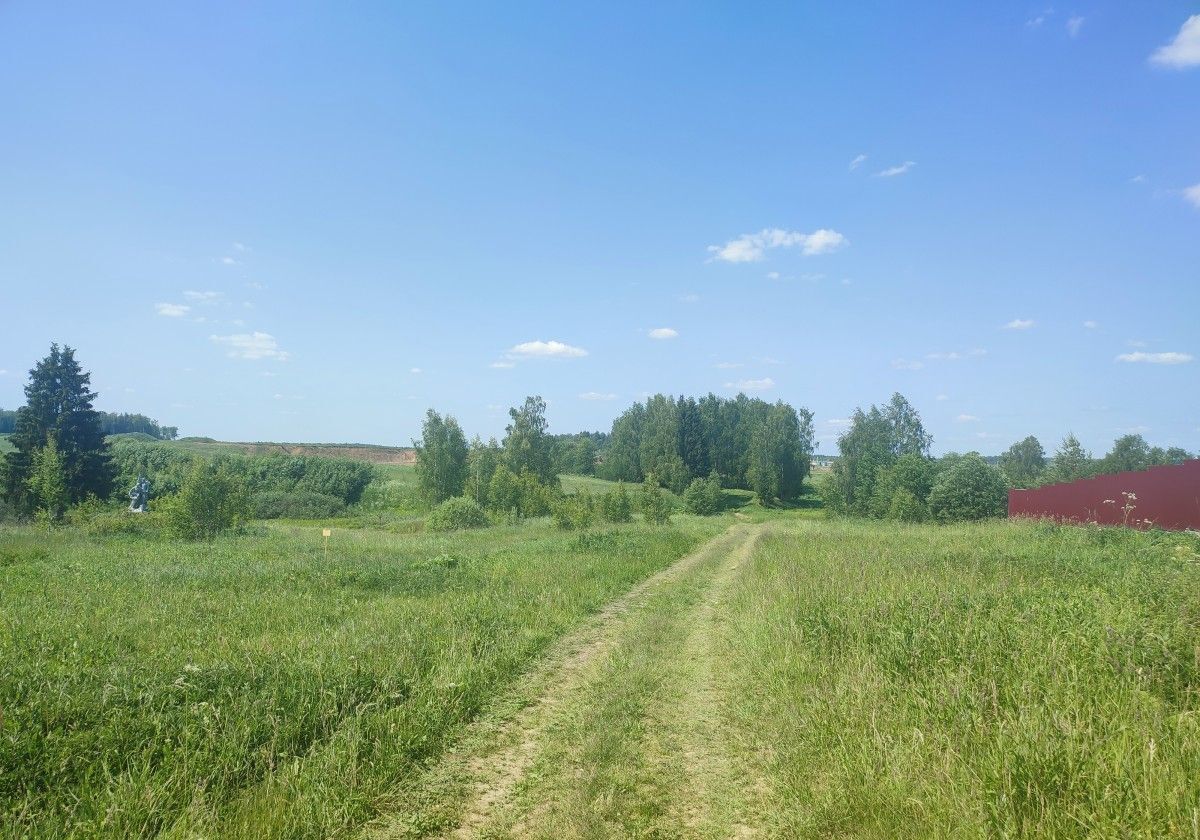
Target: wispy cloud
{"points": [[893, 171], [661, 333], [597, 396], [255, 345], [1090, 325], [772, 275], [1074, 24], [689, 298], [1037, 20], [1184, 51], [1192, 195], [172, 310], [941, 398], [966, 418], [229, 261], [1019, 324], [956, 355], [907, 364], [502, 364], [241, 247], [414, 370], [858, 161], [763, 384], [729, 365], [203, 297], [752, 247], [546, 350], [1169, 358]]}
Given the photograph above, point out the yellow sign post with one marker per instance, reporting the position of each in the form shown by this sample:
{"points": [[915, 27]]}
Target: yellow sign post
{"points": [[325, 533]]}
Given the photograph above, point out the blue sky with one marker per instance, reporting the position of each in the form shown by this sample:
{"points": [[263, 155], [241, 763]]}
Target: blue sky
{"points": [[310, 223]]}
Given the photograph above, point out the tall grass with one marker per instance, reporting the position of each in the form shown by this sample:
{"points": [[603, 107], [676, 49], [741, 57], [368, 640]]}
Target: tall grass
{"points": [[988, 680], [250, 688]]}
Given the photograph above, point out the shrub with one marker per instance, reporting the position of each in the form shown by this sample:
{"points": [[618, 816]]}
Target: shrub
{"points": [[970, 489], [575, 512], [655, 507], [703, 496], [617, 505], [213, 499], [298, 504], [456, 514], [906, 507], [912, 473]]}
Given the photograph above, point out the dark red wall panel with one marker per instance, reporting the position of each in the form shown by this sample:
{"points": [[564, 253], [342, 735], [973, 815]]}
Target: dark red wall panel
{"points": [[1167, 497]]}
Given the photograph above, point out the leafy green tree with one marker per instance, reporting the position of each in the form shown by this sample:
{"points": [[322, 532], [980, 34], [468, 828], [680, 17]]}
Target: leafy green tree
{"points": [[575, 511], [622, 459], [441, 458], [1175, 455], [617, 505], [703, 496], [905, 507], [779, 456], [912, 477], [504, 492], [692, 444], [58, 404], [655, 508], [456, 514], [213, 499], [48, 482], [483, 460], [970, 489], [1024, 462], [875, 440], [659, 451], [582, 458], [527, 447], [1071, 462], [1129, 452]]}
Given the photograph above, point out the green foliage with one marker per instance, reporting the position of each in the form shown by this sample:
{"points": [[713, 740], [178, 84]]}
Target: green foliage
{"points": [[1071, 462], [504, 492], [48, 482], [905, 507], [780, 447], [58, 405], [482, 462], [296, 504], [527, 447], [703, 496], [213, 499], [617, 505], [1024, 463], [875, 440], [653, 504], [622, 459], [970, 489], [575, 511], [457, 514], [537, 499], [1129, 452], [441, 458], [914, 475]]}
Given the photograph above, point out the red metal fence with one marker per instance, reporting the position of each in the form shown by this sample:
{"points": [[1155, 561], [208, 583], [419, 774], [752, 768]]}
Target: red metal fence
{"points": [[1163, 497]]}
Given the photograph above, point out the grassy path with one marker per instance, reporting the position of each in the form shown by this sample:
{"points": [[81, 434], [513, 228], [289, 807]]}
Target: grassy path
{"points": [[618, 733]]}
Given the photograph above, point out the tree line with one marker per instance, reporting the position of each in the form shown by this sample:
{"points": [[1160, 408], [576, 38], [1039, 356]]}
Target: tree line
{"points": [[884, 469], [111, 423]]}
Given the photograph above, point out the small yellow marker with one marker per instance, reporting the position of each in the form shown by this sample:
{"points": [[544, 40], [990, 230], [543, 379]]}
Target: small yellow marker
{"points": [[325, 533]]}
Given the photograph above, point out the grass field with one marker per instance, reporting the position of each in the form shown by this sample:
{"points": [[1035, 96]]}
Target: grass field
{"points": [[5, 446], [968, 681], [250, 688]]}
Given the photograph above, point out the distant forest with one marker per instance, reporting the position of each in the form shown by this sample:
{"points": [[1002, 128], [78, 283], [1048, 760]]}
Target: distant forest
{"points": [[111, 424]]}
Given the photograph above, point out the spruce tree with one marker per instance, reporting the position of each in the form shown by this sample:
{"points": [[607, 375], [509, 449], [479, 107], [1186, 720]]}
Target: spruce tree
{"points": [[59, 406]]}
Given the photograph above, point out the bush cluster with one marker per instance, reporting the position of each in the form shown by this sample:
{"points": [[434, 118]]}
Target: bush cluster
{"points": [[456, 514], [703, 496], [296, 504]]}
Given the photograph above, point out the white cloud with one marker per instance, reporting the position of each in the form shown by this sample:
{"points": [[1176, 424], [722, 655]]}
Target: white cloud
{"points": [[663, 333], [956, 355], [907, 364], [1074, 24], [172, 310], [1019, 324], [750, 247], [729, 365], [595, 395], [941, 398], [414, 370], [893, 171], [255, 345], [1135, 342], [838, 421], [1091, 325], [240, 247], [1192, 194], [1138, 179], [1035, 22], [546, 350], [203, 297], [752, 384], [768, 360], [1170, 358], [3, 372], [857, 162], [502, 365], [1184, 51], [229, 261], [966, 418], [772, 275]]}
